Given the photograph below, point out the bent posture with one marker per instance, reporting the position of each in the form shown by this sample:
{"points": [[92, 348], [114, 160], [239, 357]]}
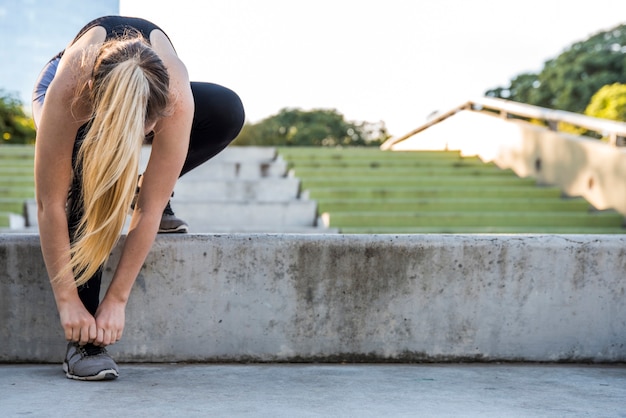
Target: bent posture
{"points": [[118, 83]]}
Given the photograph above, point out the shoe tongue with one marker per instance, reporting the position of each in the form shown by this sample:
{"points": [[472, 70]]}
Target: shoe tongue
{"points": [[92, 350]]}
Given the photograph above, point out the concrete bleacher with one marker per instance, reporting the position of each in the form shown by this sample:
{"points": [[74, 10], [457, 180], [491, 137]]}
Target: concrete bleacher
{"points": [[358, 190], [245, 189], [242, 189], [367, 190], [343, 298]]}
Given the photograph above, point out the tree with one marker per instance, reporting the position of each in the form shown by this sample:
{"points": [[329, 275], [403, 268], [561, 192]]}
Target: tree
{"points": [[319, 127], [609, 103], [568, 81], [15, 126]]}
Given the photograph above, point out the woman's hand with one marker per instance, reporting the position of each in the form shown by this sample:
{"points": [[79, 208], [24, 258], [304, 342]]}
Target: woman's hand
{"points": [[79, 325], [110, 320]]}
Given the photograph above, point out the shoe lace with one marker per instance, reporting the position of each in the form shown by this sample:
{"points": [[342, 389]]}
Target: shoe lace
{"points": [[91, 350], [168, 210]]}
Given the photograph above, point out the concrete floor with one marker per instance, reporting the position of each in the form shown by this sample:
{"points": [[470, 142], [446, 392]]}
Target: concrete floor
{"points": [[319, 390]]}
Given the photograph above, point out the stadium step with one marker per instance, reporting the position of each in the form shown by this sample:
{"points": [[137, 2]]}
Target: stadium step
{"points": [[16, 182], [242, 189], [366, 190]]}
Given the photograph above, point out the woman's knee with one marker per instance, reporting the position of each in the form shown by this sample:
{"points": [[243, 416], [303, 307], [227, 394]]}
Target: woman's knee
{"points": [[218, 110]]}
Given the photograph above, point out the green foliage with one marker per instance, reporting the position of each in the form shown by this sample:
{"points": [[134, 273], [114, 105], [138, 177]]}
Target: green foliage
{"points": [[569, 81], [319, 127], [15, 126], [609, 103]]}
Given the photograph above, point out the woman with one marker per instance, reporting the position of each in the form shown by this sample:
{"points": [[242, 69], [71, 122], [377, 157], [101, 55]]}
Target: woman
{"points": [[94, 104]]}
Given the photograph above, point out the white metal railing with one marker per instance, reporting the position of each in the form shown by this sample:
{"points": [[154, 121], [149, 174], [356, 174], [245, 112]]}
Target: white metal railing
{"points": [[506, 108]]}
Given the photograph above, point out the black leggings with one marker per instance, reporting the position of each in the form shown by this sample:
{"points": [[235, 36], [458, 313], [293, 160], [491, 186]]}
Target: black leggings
{"points": [[218, 118]]}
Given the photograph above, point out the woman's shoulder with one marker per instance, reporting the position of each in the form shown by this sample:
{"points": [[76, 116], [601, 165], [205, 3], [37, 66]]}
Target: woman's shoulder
{"points": [[78, 52], [76, 64]]}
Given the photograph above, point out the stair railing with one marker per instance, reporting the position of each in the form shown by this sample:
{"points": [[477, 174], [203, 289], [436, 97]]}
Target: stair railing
{"points": [[614, 131]]}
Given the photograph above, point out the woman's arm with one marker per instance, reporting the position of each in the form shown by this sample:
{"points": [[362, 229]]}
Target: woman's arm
{"points": [[53, 171], [169, 150]]}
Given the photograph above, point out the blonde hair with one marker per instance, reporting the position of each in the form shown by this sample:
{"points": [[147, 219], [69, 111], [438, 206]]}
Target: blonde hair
{"points": [[128, 89]]}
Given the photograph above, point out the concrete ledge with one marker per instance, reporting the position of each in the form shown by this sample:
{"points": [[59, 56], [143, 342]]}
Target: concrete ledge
{"points": [[277, 189], [405, 298], [204, 216], [234, 163], [228, 170]]}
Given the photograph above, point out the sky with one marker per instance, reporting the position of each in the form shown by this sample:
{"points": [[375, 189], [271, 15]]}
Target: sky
{"points": [[33, 31], [395, 61]]}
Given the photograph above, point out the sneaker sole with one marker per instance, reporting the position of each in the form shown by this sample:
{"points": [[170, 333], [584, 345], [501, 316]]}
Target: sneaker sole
{"points": [[183, 229], [107, 374]]}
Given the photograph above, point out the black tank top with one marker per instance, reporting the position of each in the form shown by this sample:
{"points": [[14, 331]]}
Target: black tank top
{"points": [[120, 26]]}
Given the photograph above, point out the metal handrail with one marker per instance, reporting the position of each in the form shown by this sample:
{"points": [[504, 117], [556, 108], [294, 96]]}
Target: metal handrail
{"points": [[507, 108]]}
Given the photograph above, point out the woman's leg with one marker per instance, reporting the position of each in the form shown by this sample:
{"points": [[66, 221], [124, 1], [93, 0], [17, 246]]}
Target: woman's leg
{"points": [[218, 118]]}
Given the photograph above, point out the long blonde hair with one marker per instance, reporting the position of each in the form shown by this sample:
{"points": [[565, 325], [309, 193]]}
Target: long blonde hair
{"points": [[128, 89]]}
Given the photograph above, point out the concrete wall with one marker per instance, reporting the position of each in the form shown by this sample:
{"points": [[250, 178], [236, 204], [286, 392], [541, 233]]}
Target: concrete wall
{"points": [[580, 167], [295, 297]]}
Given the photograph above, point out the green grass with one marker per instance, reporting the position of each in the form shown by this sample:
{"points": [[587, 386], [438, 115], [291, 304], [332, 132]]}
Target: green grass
{"points": [[366, 190], [17, 182], [378, 181], [419, 192], [13, 205], [454, 205], [472, 219]]}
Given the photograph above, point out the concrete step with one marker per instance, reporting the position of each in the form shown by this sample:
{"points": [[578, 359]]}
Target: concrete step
{"points": [[364, 154], [21, 182], [234, 163], [264, 229], [297, 216], [11, 204], [206, 216], [232, 154], [394, 171], [342, 298], [10, 221], [246, 154], [374, 181], [271, 189], [370, 191], [426, 191], [17, 191], [227, 170], [9, 168], [13, 152], [440, 229], [373, 163], [454, 204], [463, 219]]}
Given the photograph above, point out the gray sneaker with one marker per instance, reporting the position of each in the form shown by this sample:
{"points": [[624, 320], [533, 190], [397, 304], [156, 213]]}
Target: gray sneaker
{"points": [[89, 362], [170, 224]]}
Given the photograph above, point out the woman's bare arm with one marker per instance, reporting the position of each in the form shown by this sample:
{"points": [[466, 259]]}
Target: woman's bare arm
{"points": [[53, 172]]}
